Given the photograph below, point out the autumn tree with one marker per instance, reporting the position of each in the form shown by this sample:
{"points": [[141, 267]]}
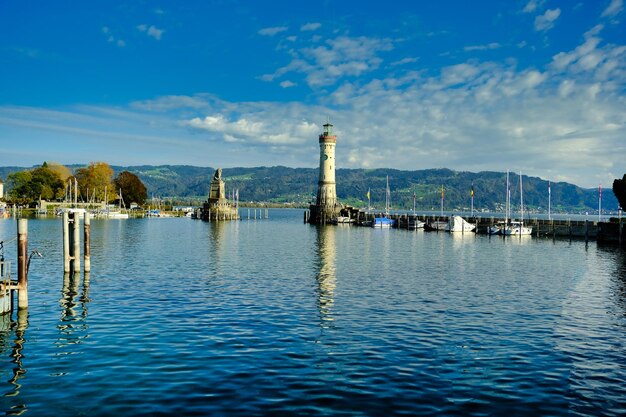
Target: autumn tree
{"points": [[131, 187], [94, 179], [619, 189], [63, 171]]}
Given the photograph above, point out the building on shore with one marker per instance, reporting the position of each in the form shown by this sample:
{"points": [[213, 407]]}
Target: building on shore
{"points": [[326, 208], [218, 207]]}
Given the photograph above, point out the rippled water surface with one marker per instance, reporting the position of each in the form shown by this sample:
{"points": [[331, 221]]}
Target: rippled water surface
{"points": [[274, 317]]}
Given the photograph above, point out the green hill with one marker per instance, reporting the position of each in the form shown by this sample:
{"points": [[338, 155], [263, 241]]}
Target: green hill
{"points": [[298, 185]]}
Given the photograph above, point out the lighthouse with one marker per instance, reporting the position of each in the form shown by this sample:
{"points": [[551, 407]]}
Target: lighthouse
{"points": [[326, 208]]}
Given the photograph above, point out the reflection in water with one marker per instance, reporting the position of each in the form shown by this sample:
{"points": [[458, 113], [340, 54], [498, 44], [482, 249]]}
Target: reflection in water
{"points": [[593, 319], [216, 234], [72, 321], [326, 277], [618, 256], [16, 356]]}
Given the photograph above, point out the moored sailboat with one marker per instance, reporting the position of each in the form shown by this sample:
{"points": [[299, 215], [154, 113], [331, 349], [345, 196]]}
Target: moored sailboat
{"points": [[384, 221]]}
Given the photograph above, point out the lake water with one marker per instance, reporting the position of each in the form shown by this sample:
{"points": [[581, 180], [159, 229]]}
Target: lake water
{"points": [[275, 317]]}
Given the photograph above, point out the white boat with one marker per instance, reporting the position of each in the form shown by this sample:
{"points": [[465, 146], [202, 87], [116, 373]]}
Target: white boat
{"points": [[515, 228], [509, 227], [343, 219], [436, 225], [117, 214], [459, 224], [497, 228], [414, 223]]}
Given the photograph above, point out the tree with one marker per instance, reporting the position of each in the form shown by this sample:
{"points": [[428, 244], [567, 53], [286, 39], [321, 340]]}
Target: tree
{"points": [[131, 187], [31, 185], [619, 189], [63, 171], [94, 179]]}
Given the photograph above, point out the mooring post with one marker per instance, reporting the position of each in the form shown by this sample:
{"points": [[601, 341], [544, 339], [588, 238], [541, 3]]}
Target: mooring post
{"points": [[267, 213], [76, 242], [66, 242], [586, 230], [87, 243], [22, 263]]}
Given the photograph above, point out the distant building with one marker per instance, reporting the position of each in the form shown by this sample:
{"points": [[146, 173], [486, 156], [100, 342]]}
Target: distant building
{"points": [[326, 209], [218, 207]]}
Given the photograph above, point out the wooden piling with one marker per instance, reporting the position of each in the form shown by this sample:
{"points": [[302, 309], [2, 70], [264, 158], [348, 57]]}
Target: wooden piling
{"points": [[87, 243], [76, 242], [66, 242], [22, 263], [586, 231]]}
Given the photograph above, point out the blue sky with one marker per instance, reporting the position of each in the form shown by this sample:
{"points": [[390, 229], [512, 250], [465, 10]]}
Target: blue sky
{"points": [[532, 85]]}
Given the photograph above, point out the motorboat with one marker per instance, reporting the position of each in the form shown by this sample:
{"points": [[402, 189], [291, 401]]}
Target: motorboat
{"points": [[459, 224]]}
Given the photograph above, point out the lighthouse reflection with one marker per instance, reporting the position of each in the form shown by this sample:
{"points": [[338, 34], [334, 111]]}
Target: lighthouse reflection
{"points": [[326, 276]]}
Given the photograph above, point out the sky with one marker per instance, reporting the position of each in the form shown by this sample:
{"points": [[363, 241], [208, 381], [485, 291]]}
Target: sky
{"points": [[536, 86]]}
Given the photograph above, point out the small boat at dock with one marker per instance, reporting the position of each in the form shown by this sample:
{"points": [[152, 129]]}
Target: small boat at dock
{"points": [[459, 224]]}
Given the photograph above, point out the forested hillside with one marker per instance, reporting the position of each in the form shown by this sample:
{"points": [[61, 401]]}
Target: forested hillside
{"points": [[298, 185]]}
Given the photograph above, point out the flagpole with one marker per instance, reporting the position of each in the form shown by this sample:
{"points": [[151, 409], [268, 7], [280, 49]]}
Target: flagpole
{"points": [[549, 198], [441, 200], [472, 215], [600, 203]]}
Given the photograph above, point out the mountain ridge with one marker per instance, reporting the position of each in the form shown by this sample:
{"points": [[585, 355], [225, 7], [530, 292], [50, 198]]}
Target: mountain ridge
{"points": [[280, 184]]}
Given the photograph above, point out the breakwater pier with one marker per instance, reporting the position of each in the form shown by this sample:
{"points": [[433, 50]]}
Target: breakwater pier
{"points": [[611, 231]]}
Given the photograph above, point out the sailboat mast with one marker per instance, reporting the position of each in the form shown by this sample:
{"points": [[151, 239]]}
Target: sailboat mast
{"points": [[521, 198], [387, 197], [508, 195]]}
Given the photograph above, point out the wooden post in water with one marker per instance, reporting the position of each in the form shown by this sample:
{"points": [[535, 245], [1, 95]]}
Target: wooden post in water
{"points": [[66, 242], [76, 242], [248, 213], [87, 243], [22, 263], [267, 213], [586, 231]]}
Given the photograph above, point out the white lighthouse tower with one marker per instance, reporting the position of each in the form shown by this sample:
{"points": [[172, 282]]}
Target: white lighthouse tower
{"points": [[326, 208]]}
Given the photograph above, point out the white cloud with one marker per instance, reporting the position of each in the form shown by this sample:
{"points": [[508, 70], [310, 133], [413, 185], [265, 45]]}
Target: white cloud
{"points": [[404, 61], [111, 38], [546, 21], [272, 31], [493, 45], [336, 58], [287, 84], [310, 27], [531, 6], [563, 120], [613, 9], [253, 128], [151, 31]]}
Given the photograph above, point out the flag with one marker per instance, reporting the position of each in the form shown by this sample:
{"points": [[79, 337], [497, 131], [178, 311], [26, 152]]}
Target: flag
{"points": [[548, 187], [600, 190], [442, 191], [368, 194], [472, 191]]}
